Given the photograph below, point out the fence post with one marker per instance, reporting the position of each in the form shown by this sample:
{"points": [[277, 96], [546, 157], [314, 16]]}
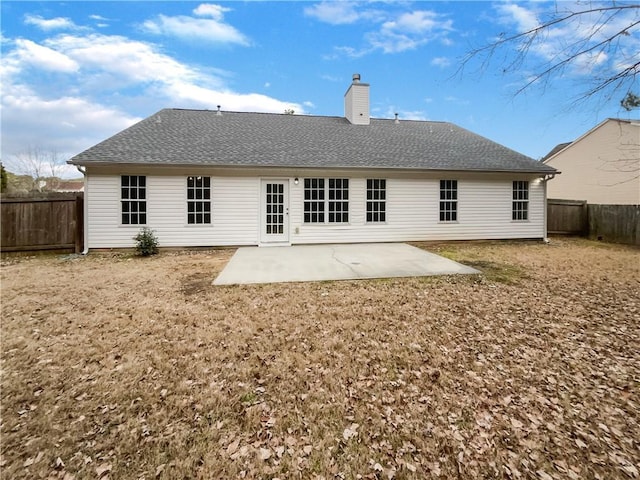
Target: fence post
{"points": [[585, 220], [79, 230]]}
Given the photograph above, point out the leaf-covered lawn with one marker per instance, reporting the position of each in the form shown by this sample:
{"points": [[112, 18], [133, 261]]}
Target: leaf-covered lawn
{"points": [[122, 367]]}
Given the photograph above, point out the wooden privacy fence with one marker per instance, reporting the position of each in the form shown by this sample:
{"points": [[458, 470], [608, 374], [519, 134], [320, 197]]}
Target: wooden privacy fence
{"points": [[34, 224], [567, 217], [615, 223], [611, 223]]}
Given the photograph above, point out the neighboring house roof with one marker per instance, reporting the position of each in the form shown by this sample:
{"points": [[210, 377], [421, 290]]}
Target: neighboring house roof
{"points": [[69, 186], [562, 146], [554, 150], [175, 137]]}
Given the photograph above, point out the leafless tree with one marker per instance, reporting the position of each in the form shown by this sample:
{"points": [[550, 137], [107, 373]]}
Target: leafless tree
{"points": [[44, 166], [598, 41]]}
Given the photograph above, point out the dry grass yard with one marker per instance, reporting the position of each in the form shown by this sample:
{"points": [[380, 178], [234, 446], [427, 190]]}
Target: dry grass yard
{"points": [[126, 368]]}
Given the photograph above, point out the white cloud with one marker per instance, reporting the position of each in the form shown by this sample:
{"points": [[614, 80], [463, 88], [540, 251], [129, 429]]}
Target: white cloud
{"points": [[211, 30], [391, 111], [441, 62], [209, 10], [335, 13], [391, 42], [58, 23], [101, 21], [30, 120], [130, 61], [524, 18], [118, 75], [347, 52], [32, 54], [416, 22], [396, 32], [456, 101], [189, 95], [409, 30], [330, 78]]}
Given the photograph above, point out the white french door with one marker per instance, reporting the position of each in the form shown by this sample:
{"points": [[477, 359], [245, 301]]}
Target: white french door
{"points": [[274, 211]]}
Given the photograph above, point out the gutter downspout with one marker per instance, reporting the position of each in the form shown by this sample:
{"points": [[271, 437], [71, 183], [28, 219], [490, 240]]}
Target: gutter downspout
{"points": [[85, 210], [545, 179]]}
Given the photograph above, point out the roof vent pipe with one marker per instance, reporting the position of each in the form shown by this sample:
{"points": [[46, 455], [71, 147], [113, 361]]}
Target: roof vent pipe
{"points": [[396, 120], [218, 112]]}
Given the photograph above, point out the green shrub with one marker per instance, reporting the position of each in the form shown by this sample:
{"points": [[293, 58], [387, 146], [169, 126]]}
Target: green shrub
{"points": [[146, 242]]}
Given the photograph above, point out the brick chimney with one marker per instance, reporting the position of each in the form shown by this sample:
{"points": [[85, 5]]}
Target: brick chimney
{"points": [[356, 102]]}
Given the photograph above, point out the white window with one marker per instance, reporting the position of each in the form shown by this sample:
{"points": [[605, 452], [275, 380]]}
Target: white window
{"points": [[133, 199], [448, 200], [198, 200], [326, 200], [376, 200], [520, 204], [314, 200], [338, 200]]}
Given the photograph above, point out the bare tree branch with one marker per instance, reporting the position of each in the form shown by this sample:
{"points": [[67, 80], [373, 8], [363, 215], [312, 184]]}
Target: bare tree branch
{"points": [[585, 48], [44, 166]]}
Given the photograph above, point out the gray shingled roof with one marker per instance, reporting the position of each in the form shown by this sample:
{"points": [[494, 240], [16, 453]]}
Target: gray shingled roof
{"points": [[202, 137], [554, 150]]}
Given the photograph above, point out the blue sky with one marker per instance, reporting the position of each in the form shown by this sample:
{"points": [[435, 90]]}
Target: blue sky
{"points": [[75, 73]]}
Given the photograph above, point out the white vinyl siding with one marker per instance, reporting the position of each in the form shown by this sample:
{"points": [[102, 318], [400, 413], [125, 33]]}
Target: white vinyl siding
{"points": [[412, 210], [413, 213], [234, 217]]}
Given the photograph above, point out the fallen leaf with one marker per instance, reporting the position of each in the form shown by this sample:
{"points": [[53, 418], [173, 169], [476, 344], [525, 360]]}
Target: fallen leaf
{"points": [[517, 424], [544, 475], [233, 447], [103, 469], [350, 432], [264, 454]]}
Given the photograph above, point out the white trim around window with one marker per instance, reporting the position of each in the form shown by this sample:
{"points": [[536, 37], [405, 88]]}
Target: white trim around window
{"points": [[326, 201]]}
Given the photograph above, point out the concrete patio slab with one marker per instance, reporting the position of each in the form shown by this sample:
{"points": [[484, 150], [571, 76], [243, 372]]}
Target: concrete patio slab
{"points": [[309, 263]]}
